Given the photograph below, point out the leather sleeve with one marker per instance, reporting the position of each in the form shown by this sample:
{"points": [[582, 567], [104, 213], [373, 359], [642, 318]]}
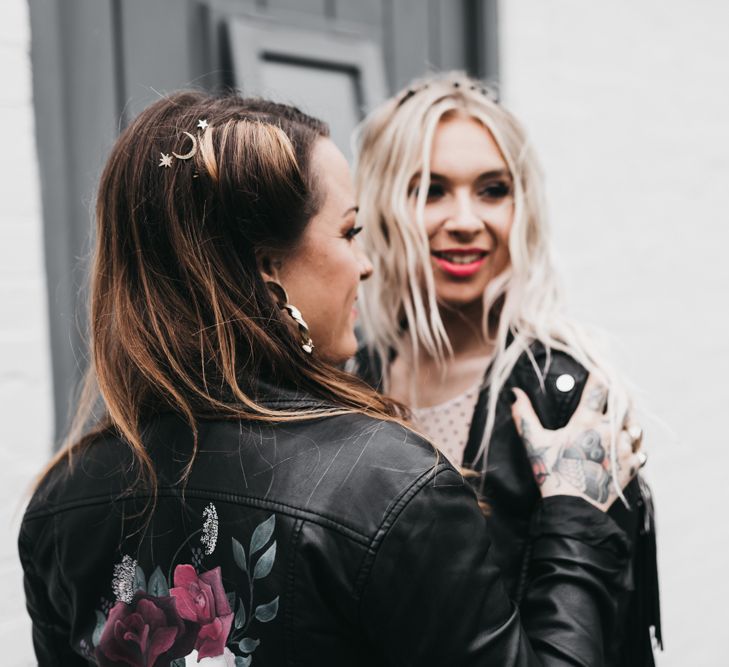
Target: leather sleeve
{"points": [[639, 604], [434, 596], [577, 567], [50, 631]]}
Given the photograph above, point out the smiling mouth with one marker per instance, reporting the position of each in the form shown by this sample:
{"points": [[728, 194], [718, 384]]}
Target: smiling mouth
{"points": [[460, 256], [460, 263]]}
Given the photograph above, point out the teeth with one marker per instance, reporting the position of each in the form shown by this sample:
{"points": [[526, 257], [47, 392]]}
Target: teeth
{"points": [[460, 258]]}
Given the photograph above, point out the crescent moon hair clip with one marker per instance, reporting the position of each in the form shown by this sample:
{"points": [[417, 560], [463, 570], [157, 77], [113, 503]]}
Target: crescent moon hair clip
{"points": [[166, 159]]}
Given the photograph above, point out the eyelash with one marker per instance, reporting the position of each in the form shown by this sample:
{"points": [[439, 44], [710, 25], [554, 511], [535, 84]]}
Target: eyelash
{"points": [[352, 232], [493, 191], [435, 191], [496, 190]]}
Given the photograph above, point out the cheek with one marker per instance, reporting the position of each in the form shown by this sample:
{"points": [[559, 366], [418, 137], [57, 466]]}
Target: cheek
{"points": [[303, 281], [501, 227], [326, 288], [433, 216], [433, 219], [337, 290]]}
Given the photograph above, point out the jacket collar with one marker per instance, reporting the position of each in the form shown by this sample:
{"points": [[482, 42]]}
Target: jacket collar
{"points": [[289, 398]]}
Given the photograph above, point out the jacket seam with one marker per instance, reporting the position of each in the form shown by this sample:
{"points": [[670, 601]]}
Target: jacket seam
{"points": [[297, 402], [50, 629], [284, 508], [289, 625], [57, 558], [389, 519]]}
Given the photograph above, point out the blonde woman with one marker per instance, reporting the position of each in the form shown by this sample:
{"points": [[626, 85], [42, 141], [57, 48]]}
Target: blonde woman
{"points": [[463, 312]]}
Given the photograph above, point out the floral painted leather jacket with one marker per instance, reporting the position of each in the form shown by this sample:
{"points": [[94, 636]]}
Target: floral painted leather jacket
{"points": [[339, 541]]}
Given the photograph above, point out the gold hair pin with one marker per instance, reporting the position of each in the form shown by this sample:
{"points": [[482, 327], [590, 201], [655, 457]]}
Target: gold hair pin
{"points": [[166, 159]]}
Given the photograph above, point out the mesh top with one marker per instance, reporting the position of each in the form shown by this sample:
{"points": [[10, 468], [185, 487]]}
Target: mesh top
{"points": [[447, 424]]}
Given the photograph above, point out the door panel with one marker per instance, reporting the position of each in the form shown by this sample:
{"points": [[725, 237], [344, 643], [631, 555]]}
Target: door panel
{"points": [[334, 75], [110, 58]]}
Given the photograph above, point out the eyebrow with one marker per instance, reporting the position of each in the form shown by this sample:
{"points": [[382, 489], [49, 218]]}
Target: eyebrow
{"points": [[349, 210], [494, 173]]}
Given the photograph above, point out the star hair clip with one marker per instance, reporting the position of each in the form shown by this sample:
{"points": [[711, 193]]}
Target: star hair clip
{"points": [[486, 92], [409, 93], [166, 158]]}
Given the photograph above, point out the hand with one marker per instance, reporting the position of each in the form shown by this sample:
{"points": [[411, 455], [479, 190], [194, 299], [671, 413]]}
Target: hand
{"points": [[576, 460]]}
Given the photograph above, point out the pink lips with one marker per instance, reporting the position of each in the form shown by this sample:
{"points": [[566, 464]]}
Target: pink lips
{"points": [[460, 270]]}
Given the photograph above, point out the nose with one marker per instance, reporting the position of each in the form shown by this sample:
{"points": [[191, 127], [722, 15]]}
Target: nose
{"points": [[463, 220]]}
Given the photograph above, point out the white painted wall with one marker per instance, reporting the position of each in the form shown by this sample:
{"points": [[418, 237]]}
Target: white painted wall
{"points": [[627, 103], [25, 376]]}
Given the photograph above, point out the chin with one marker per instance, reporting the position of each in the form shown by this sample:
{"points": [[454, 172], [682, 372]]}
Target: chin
{"points": [[460, 298], [340, 353]]}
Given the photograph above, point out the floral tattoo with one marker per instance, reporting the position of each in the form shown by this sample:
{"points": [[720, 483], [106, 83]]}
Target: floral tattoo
{"points": [[585, 465]]}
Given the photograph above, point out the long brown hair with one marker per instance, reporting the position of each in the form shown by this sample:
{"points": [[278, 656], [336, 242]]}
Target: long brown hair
{"points": [[181, 319]]}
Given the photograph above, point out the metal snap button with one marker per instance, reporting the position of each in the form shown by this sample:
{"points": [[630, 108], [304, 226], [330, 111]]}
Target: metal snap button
{"points": [[565, 382]]}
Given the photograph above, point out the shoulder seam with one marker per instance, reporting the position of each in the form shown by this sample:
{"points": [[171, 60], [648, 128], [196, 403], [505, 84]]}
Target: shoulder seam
{"points": [[389, 519]]}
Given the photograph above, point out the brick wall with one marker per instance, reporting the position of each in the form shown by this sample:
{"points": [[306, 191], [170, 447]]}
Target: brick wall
{"points": [[25, 379], [627, 104]]}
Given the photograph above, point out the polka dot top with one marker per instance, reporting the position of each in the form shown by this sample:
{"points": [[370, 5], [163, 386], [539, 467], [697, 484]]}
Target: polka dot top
{"points": [[447, 424]]}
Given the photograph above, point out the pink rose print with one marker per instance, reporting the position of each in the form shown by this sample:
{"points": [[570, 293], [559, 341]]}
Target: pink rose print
{"points": [[201, 599], [147, 632]]}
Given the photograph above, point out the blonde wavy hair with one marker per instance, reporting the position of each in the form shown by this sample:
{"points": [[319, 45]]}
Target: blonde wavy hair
{"points": [[399, 304]]}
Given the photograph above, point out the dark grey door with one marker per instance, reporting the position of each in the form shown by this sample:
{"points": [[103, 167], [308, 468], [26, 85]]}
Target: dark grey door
{"points": [[98, 62]]}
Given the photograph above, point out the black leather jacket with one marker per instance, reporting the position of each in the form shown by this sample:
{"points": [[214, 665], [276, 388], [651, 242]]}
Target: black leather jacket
{"points": [[339, 541], [508, 487]]}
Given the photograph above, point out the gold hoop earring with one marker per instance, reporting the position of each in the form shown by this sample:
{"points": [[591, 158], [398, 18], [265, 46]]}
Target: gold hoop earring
{"points": [[282, 301]]}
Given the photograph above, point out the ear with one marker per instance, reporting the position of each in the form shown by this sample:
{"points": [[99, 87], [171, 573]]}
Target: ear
{"points": [[269, 264]]}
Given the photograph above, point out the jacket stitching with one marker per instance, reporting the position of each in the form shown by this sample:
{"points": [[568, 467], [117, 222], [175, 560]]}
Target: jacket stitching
{"points": [[52, 631], [289, 627], [284, 508], [57, 557], [390, 517]]}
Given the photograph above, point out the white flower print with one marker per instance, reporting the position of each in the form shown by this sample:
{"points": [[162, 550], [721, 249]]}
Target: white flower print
{"points": [[122, 582], [225, 660], [209, 537]]}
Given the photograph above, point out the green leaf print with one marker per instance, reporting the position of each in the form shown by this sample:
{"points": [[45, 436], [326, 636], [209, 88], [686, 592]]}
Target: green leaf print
{"points": [[267, 612], [262, 534]]}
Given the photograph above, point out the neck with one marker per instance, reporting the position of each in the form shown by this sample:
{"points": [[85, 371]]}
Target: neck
{"points": [[433, 384], [464, 326]]}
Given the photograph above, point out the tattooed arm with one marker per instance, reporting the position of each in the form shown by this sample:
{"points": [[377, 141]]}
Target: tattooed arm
{"points": [[536, 455], [575, 460]]}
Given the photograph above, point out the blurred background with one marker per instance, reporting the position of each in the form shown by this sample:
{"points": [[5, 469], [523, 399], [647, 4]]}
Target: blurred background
{"points": [[626, 102]]}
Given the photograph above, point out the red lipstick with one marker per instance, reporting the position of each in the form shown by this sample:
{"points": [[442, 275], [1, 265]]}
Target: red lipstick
{"points": [[460, 262]]}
